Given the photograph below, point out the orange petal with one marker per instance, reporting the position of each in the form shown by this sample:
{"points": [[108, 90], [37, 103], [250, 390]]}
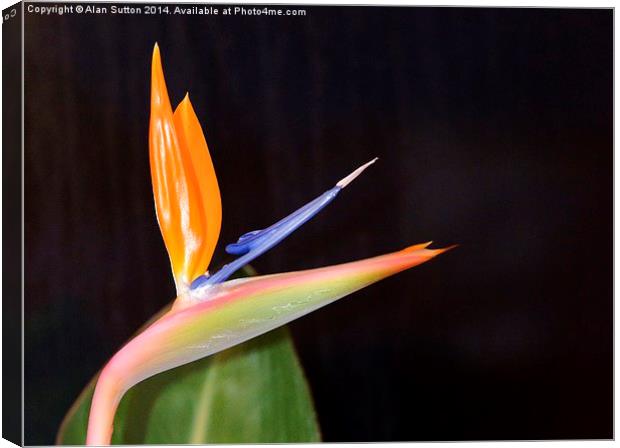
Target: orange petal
{"points": [[192, 141], [179, 200]]}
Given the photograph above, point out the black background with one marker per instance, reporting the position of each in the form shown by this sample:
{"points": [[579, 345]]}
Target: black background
{"points": [[494, 131]]}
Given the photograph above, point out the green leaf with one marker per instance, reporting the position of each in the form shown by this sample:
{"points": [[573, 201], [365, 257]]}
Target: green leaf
{"points": [[254, 392]]}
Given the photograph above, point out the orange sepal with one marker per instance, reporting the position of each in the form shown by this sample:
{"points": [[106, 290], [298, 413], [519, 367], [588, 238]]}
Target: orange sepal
{"points": [[184, 204], [193, 142]]}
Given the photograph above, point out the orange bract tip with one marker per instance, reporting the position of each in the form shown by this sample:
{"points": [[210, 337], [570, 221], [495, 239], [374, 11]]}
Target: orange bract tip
{"points": [[434, 252], [417, 247], [424, 250], [445, 249]]}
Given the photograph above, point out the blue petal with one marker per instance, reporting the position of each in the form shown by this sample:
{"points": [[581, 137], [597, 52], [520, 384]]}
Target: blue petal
{"points": [[250, 240], [252, 244]]}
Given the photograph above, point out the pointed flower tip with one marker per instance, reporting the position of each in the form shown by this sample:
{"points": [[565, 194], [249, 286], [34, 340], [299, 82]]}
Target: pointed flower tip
{"points": [[417, 247], [159, 92], [446, 249], [156, 54], [435, 252], [430, 252], [185, 105], [351, 177]]}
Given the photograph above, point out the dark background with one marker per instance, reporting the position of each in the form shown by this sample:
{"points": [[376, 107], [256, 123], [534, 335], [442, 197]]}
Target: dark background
{"points": [[494, 131]]}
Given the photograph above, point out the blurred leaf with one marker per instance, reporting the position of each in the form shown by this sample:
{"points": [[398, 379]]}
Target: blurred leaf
{"points": [[254, 392]]}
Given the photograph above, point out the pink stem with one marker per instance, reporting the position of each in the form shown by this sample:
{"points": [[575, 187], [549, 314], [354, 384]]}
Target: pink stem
{"points": [[106, 398]]}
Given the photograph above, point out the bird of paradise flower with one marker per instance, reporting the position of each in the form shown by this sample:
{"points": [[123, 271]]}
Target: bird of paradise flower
{"points": [[212, 313]]}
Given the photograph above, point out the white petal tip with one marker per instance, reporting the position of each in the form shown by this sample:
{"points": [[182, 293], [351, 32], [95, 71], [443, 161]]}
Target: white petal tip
{"points": [[347, 180]]}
